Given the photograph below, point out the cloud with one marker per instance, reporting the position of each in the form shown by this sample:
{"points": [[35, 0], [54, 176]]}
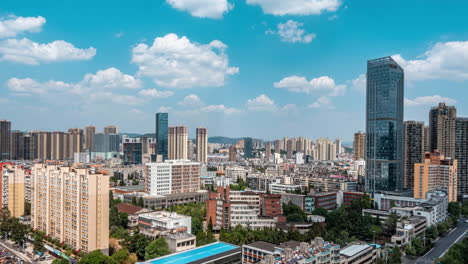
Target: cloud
{"points": [[26, 51], [445, 60], [13, 26], [191, 100], [359, 84], [220, 108], [261, 103], [322, 102], [300, 84], [153, 93], [296, 7], [95, 87], [432, 100], [119, 34], [164, 109], [291, 31], [289, 108], [202, 8], [179, 63]]}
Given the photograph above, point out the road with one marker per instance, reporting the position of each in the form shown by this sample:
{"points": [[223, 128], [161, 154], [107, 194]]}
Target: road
{"points": [[16, 252], [443, 244]]}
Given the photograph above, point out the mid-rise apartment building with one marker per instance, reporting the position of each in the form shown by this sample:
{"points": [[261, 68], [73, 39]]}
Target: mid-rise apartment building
{"points": [[71, 204], [437, 172], [172, 177]]}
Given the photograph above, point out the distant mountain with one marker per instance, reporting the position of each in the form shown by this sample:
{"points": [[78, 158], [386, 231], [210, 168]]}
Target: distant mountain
{"points": [[223, 140], [132, 135]]}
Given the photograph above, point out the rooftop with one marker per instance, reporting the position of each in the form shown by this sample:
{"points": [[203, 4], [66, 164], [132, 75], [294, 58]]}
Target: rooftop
{"points": [[129, 208], [352, 250], [263, 245], [163, 216], [197, 255]]}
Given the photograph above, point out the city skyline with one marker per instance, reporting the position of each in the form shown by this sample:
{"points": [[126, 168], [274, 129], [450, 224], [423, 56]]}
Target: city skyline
{"points": [[252, 87]]}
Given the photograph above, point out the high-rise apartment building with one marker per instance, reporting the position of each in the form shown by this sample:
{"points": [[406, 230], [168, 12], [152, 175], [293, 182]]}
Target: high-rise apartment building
{"points": [[290, 148], [436, 173], [172, 177], [177, 139], [232, 153], [413, 150], [384, 125], [325, 149], [17, 145], [278, 146], [338, 146], [106, 142], [13, 189], [58, 145], [267, 151], [427, 140], [71, 204], [461, 155], [202, 144], [162, 124], [359, 145], [442, 119], [248, 148], [111, 130], [5, 140], [44, 145], [89, 136]]}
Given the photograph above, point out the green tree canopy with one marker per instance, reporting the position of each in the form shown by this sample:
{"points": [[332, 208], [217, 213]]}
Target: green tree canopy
{"points": [[157, 248]]}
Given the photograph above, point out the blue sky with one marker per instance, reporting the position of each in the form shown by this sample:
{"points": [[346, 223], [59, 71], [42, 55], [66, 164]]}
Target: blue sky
{"points": [[261, 68]]}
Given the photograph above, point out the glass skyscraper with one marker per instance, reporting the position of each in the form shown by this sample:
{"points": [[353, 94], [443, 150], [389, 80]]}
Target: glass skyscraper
{"points": [[384, 126], [162, 123]]}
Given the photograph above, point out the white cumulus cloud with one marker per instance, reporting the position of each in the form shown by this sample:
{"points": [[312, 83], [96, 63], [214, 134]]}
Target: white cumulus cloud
{"points": [[191, 100], [179, 63], [12, 26], [445, 60], [300, 84], [296, 7], [359, 84], [220, 108], [28, 52], [202, 8], [261, 103], [322, 102], [292, 31], [154, 93], [431, 100]]}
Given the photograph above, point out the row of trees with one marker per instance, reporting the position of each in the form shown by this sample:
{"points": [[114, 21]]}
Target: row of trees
{"points": [[457, 254]]}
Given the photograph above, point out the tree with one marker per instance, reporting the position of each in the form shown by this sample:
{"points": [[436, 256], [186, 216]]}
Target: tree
{"points": [[390, 223], [457, 253], [454, 209], [94, 257], [122, 256], [38, 243], [27, 208], [141, 202], [157, 248], [137, 243], [320, 211], [60, 261], [394, 257]]}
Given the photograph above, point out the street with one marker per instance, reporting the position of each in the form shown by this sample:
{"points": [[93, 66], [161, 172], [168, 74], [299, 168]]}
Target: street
{"points": [[443, 244], [20, 256]]}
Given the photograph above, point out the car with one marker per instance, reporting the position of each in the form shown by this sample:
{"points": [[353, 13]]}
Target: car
{"points": [[466, 220]]}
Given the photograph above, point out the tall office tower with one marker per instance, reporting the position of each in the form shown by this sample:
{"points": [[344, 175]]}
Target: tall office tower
{"points": [[278, 146], [248, 148], [89, 134], [5, 140], [442, 121], [132, 153], [58, 145], [267, 151], [29, 146], [177, 139], [13, 189], [427, 140], [17, 145], [202, 144], [106, 143], [74, 143], [111, 130], [162, 123], [338, 146], [435, 173], [289, 148], [384, 125], [413, 151], [461, 155], [71, 204], [359, 145], [232, 153], [44, 145], [172, 177]]}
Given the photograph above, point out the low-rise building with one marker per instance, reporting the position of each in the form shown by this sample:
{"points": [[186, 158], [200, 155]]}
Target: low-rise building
{"points": [[181, 241], [358, 254], [409, 228], [132, 212], [158, 223]]}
